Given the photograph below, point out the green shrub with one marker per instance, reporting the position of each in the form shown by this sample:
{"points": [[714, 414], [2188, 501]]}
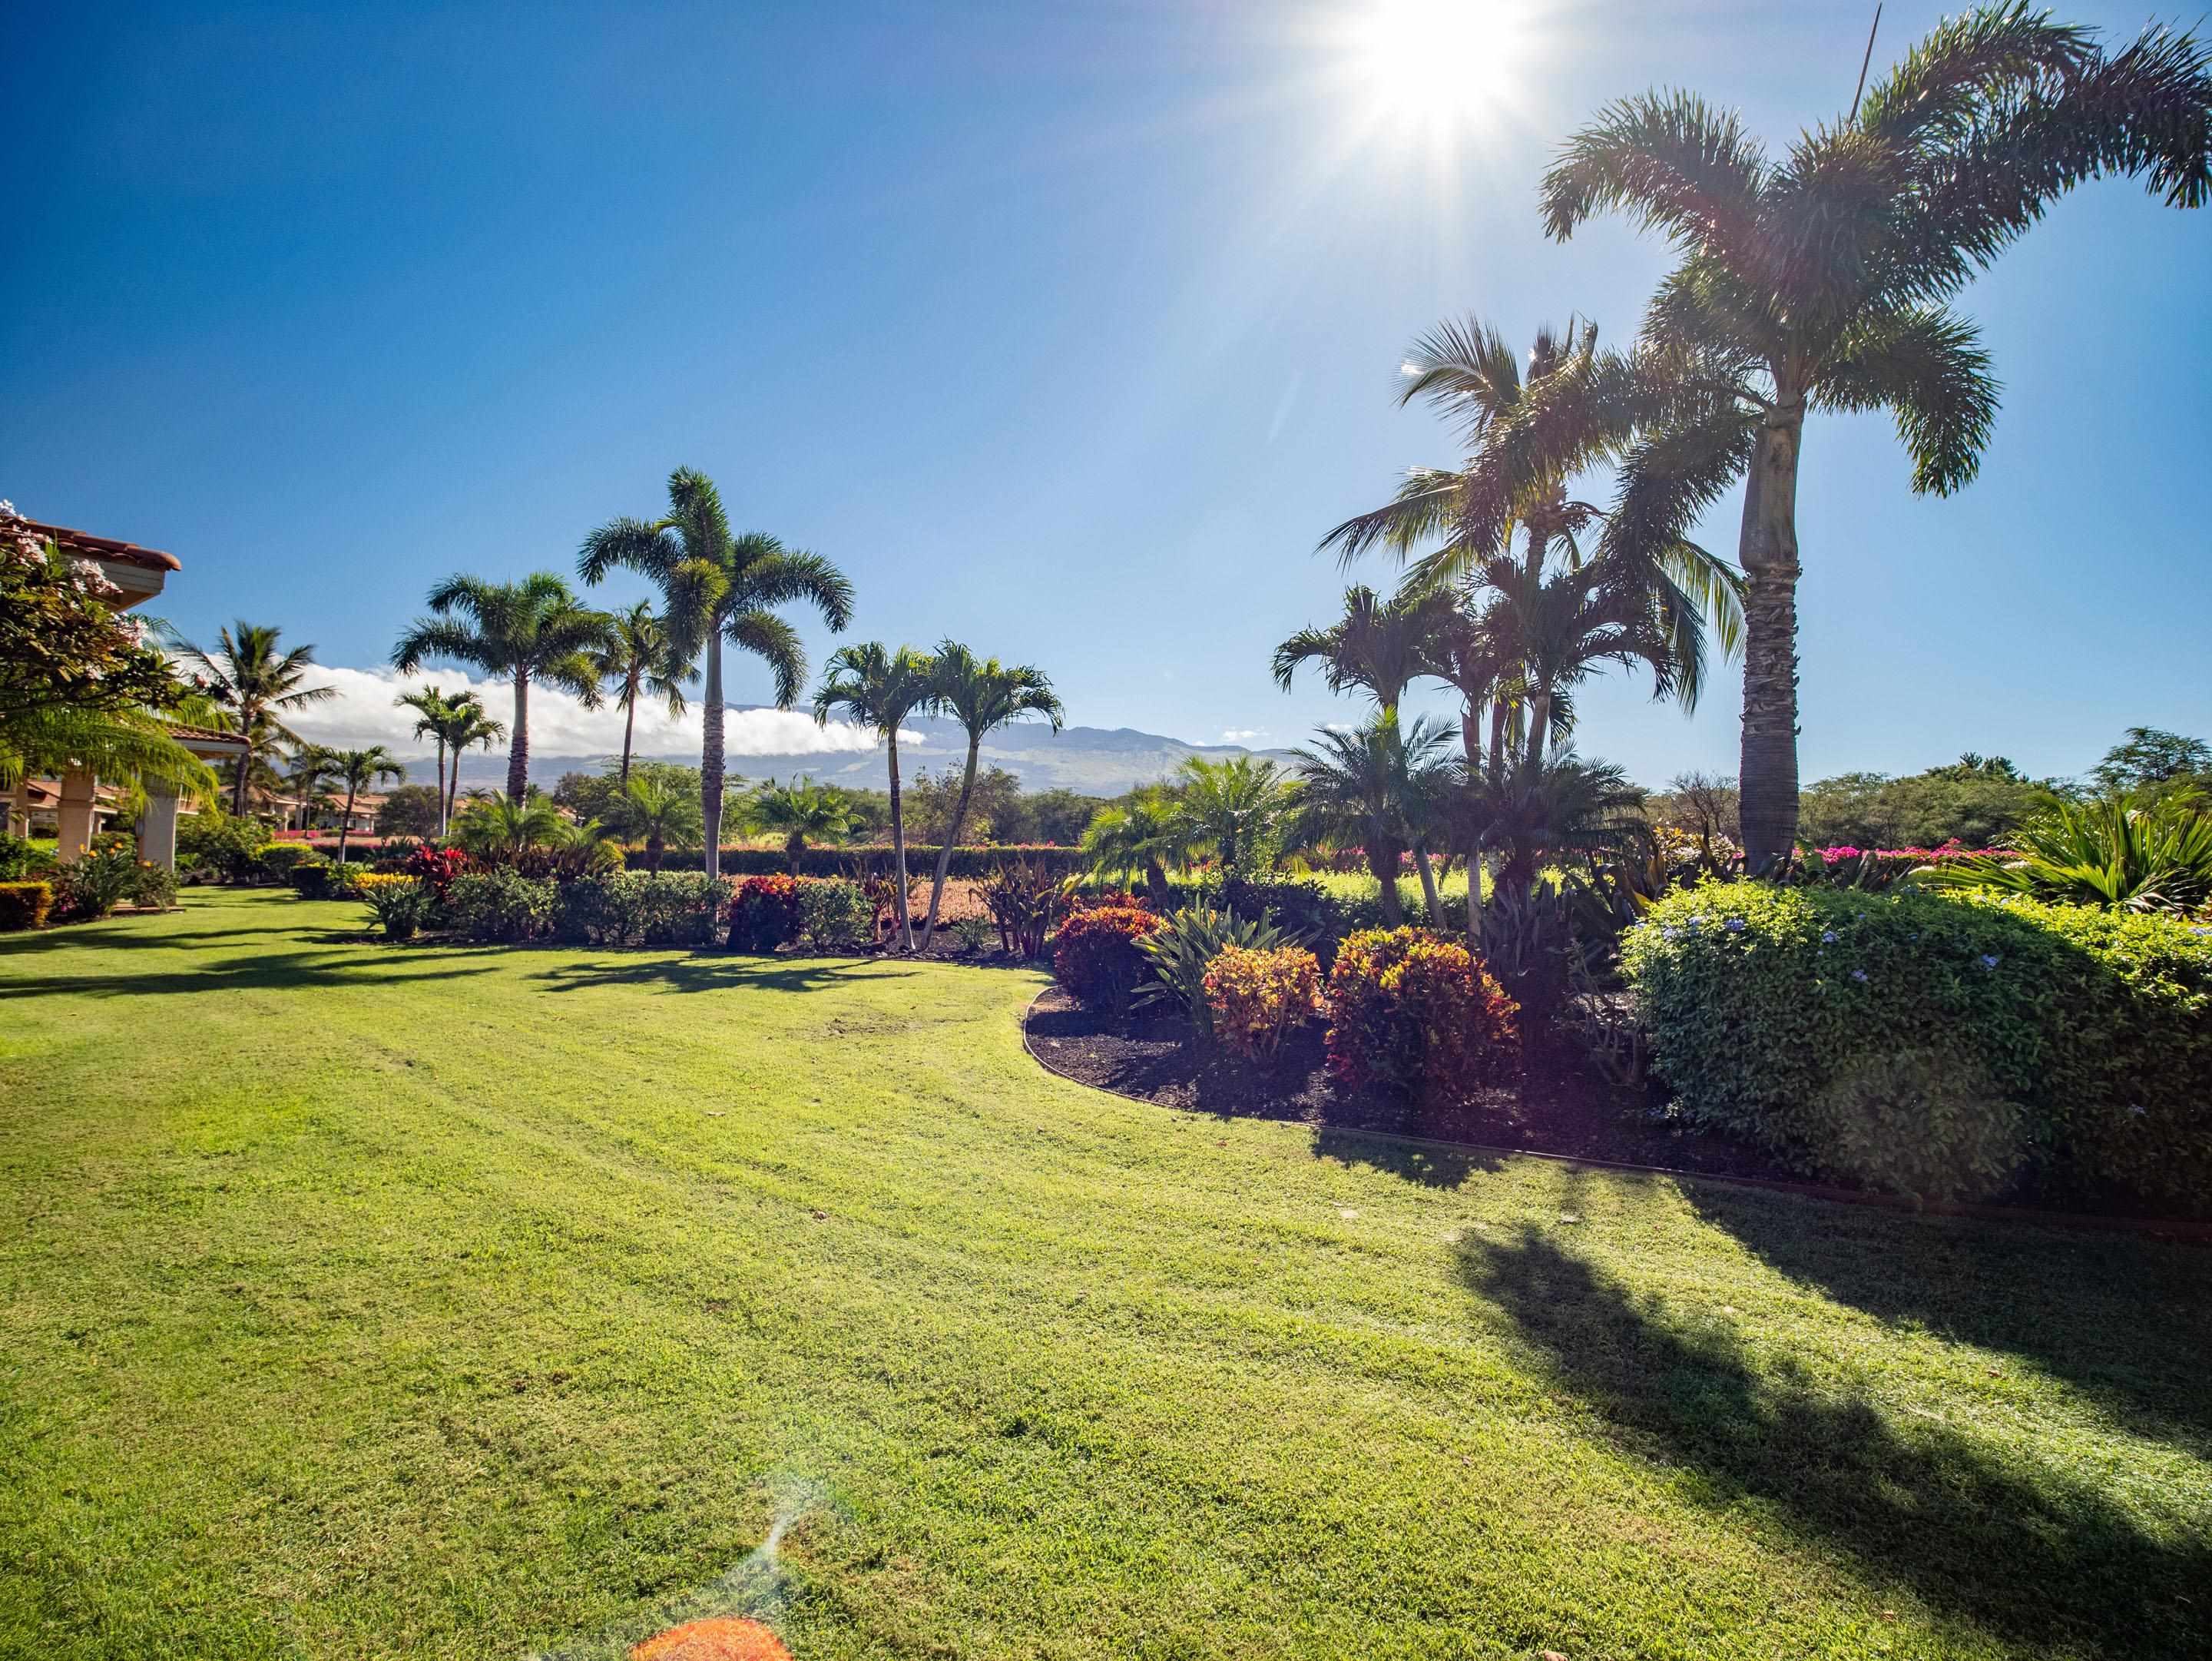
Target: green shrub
{"points": [[764, 914], [1305, 911], [2057, 1047], [1417, 1013], [320, 879], [602, 910], [154, 885], [1025, 899], [972, 933], [1095, 957], [25, 906], [1179, 951], [213, 845], [835, 914], [502, 904], [401, 905], [1253, 997], [275, 862], [682, 908], [95, 885], [24, 860]]}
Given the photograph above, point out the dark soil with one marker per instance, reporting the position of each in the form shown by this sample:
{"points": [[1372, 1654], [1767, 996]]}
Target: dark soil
{"points": [[1561, 1106]]}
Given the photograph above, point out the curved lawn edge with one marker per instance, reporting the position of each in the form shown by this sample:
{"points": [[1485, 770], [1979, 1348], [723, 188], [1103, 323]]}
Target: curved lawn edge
{"points": [[2190, 1231]]}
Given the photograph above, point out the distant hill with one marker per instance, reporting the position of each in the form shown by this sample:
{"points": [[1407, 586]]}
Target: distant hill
{"points": [[1098, 761]]}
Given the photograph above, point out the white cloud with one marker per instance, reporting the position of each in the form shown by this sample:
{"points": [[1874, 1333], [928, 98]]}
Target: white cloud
{"points": [[1243, 734], [364, 713]]}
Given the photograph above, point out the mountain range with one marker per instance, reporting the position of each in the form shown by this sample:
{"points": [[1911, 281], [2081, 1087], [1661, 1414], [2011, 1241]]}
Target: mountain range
{"points": [[1097, 761]]}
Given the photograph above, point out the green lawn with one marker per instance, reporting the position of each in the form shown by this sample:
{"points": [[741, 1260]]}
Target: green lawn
{"points": [[358, 1301]]}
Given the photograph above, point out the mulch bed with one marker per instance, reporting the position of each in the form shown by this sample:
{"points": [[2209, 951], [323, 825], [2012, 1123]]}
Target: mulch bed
{"points": [[1560, 1107]]}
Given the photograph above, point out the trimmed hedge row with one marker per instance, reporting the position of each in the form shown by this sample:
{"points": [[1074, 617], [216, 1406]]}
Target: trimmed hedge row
{"points": [[1936, 1046], [25, 904], [969, 863]]}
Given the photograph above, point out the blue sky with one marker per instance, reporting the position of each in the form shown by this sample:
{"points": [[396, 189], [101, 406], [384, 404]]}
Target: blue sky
{"points": [[1067, 329]]}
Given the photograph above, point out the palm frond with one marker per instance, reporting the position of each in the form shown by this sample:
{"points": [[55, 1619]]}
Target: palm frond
{"points": [[1929, 369]]}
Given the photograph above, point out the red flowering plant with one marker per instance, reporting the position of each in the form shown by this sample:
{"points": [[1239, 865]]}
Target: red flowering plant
{"points": [[765, 913], [437, 867], [1418, 1013]]}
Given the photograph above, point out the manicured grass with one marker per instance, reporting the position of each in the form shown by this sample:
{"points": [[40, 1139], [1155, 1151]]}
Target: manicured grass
{"points": [[359, 1300]]}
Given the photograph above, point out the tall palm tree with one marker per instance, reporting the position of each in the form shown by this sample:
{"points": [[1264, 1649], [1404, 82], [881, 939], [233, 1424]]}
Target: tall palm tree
{"points": [[1233, 809], [308, 770], [467, 723], [1380, 645], [982, 695], [879, 689], [256, 685], [649, 813], [1148, 832], [640, 658], [801, 813], [1820, 282], [434, 712], [1384, 789], [718, 586], [534, 631], [358, 769]]}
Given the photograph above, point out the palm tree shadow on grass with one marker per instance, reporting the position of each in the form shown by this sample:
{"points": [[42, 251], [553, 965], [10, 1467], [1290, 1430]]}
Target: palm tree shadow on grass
{"points": [[715, 972], [275, 971], [2027, 1551], [2127, 1321], [1432, 1167]]}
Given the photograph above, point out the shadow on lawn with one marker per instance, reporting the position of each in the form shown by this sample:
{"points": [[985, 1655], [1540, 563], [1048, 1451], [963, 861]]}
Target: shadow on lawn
{"points": [[265, 971], [716, 972], [2040, 1555], [2127, 1321], [1432, 1167]]}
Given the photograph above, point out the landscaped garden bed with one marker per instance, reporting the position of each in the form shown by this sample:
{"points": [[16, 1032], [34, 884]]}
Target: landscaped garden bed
{"points": [[1559, 1106]]}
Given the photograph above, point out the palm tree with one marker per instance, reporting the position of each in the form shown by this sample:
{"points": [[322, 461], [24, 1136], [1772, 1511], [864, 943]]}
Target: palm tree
{"points": [[1549, 807], [981, 695], [468, 723], [1820, 282], [506, 827], [257, 684], [879, 689], [1380, 645], [640, 658], [434, 712], [801, 812], [1384, 790], [307, 769], [531, 630], [1148, 832], [357, 769], [715, 587], [649, 813], [1233, 809]]}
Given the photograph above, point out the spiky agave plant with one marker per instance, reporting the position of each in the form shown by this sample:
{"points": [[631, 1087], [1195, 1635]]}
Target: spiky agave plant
{"points": [[2112, 854]]}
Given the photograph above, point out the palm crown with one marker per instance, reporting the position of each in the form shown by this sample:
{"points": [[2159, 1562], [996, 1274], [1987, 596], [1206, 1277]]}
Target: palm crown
{"points": [[258, 684], [532, 630]]}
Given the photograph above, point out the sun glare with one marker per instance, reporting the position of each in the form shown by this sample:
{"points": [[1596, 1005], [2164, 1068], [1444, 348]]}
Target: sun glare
{"points": [[1433, 63]]}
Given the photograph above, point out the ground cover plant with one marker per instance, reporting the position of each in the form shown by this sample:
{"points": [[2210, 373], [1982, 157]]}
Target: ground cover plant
{"points": [[454, 1301]]}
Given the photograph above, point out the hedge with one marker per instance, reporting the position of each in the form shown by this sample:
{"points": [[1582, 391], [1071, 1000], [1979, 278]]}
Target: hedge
{"points": [[969, 863], [1939, 1046]]}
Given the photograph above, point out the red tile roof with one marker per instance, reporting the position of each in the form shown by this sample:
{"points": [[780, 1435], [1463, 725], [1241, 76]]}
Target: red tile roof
{"points": [[83, 542]]}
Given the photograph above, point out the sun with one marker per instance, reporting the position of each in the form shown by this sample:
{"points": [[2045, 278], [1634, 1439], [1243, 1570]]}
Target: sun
{"points": [[1435, 62]]}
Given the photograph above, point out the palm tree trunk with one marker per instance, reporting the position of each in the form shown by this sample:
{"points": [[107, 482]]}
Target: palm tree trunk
{"points": [[1767, 775], [1470, 737], [1156, 886], [710, 753], [1499, 712], [345, 824], [951, 837], [238, 787], [1540, 723], [1382, 861], [517, 749], [1429, 886], [629, 725], [898, 851], [441, 784]]}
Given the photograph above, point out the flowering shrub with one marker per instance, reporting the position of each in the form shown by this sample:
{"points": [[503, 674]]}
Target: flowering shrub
{"points": [[764, 914], [25, 906], [154, 885], [95, 885], [62, 641], [502, 904], [436, 866], [1094, 956], [1255, 997], [1936, 1046], [1413, 1012]]}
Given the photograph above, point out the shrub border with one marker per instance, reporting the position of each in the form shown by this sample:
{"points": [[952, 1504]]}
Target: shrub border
{"points": [[2186, 1230]]}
